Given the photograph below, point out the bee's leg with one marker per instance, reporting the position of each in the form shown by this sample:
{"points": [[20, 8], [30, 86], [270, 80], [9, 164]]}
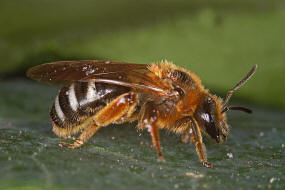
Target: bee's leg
{"points": [[84, 136], [155, 139], [185, 137], [149, 121], [121, 106], [109, 114], [196, 139], [183, 124]]}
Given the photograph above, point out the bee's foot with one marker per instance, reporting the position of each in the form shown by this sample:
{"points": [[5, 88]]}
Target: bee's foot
{"points": [[208, 165], [161, 159], [76, 144]]}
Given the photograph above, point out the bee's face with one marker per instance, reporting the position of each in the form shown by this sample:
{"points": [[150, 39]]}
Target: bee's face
{"points": [[211, 120]]}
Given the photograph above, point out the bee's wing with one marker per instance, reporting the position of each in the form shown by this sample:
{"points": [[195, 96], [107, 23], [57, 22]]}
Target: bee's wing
{"points": [[131, 75]]}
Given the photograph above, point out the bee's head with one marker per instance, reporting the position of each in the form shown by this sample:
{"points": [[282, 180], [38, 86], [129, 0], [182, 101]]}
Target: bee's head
{"points": [[211, 116], [211, 119]]}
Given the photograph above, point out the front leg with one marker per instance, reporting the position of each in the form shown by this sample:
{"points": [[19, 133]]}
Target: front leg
{"points": [[148, 120], [196, 138]]}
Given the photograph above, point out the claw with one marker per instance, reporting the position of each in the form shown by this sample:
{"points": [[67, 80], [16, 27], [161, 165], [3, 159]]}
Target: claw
{"points": [[208, 165], [68, 145], [161, 159], [76, 144]]}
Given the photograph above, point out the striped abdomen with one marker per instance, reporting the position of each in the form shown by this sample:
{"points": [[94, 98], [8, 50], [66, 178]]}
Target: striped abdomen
{"points": [[80, 100]]}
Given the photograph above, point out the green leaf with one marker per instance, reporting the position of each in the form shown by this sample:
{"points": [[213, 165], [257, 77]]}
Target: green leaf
{"points": [[119, 157]]}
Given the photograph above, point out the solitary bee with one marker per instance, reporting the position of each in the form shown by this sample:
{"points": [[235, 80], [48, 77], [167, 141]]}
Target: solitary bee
{"points": [[97, 93]]}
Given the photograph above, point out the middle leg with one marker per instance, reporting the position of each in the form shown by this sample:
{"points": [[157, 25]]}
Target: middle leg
{"points": [[148, 121]]}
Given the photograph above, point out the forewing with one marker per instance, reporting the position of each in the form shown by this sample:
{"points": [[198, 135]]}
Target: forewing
{"points": [[126, 74], [63, 72]]}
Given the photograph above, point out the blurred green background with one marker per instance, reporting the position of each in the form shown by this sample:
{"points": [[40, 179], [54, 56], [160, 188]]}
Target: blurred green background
{"points": [[219, 40]]}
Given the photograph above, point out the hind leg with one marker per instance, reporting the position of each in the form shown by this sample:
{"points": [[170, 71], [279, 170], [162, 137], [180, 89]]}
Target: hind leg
{"points": [[109, 114], [83, 138]]}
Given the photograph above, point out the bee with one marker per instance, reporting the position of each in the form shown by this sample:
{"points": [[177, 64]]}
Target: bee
{"points": [[98, 93]]}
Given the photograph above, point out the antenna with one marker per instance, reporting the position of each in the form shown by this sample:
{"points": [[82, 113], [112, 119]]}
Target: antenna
{"points": [[246, 110], [238, 85]]}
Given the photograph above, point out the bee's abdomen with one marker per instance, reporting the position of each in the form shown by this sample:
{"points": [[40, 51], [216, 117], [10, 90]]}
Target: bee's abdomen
{"points": [[80, 100]]}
